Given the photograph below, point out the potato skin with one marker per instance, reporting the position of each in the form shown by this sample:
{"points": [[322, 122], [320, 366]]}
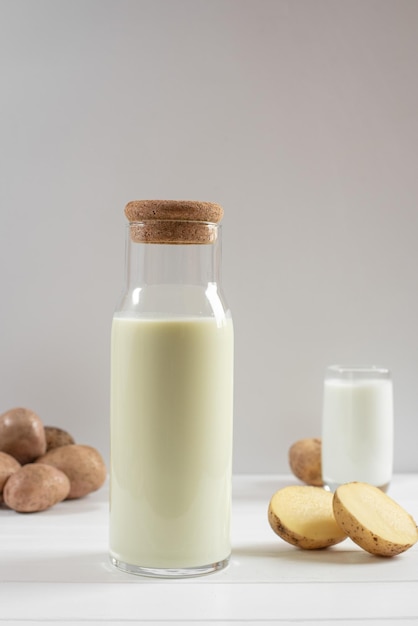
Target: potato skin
{"points": [[57, 437], [22, 435], [35, 488], [8, 465], [83, 465], [305, 460]]}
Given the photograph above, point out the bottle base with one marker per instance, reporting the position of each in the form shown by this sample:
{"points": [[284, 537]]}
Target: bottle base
{"points": [[329, 486], [177, 572]]}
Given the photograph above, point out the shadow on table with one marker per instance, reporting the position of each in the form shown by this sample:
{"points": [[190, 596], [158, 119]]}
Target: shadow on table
{"points": [[329, 556], [92, 567]]}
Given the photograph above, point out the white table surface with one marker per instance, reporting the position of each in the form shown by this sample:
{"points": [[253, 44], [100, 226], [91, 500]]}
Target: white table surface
{"points": [[54, 569]]}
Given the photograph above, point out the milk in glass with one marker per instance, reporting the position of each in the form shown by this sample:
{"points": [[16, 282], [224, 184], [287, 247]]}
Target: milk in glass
{"points": [[357, 426]]}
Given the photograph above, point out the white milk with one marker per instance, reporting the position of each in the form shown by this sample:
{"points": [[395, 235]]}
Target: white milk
{"points": [[171, 433], [357, 432]]}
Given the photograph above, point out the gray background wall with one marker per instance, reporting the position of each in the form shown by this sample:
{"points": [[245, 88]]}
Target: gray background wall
{"points": [[299, 116]]}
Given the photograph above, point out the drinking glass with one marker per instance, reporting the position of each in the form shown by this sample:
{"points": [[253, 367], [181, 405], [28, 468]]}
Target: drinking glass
{"points": [[357, 426]]}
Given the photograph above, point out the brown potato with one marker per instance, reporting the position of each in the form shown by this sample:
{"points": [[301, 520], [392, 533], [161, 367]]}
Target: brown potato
{"points": [[305, 461], [35, 488], [57, 437], [8, 465], [83, 465], [373, 520], [302, 515], [22, 435]]}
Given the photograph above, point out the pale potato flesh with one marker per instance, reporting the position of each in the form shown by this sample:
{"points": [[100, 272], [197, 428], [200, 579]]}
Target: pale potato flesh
{"points": [[303, 516], [373, 520]]}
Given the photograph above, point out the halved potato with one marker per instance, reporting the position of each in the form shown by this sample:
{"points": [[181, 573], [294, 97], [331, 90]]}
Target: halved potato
{"points": [[302, 515], [373, 520]]}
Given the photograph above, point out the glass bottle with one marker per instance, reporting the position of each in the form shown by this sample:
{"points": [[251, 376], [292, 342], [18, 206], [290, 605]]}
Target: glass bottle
{"points": [[171, 395]]}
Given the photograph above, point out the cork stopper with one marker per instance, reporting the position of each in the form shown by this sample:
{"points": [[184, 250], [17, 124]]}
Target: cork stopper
{"points": [[173, 221]]}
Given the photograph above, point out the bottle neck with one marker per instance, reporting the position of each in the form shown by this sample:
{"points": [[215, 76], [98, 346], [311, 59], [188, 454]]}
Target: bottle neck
{"points": [[150, 264]]}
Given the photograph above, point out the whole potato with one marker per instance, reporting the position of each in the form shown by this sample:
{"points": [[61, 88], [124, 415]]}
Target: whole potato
{"points": [[35, 488], [83, 465], [305, 460], [8, 465], [22, 435], [57, 437]]}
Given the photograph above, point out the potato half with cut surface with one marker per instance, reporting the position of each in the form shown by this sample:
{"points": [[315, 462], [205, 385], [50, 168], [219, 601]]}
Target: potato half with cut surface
{"points": [[305, 460], [302, 515], [373, 520]]}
